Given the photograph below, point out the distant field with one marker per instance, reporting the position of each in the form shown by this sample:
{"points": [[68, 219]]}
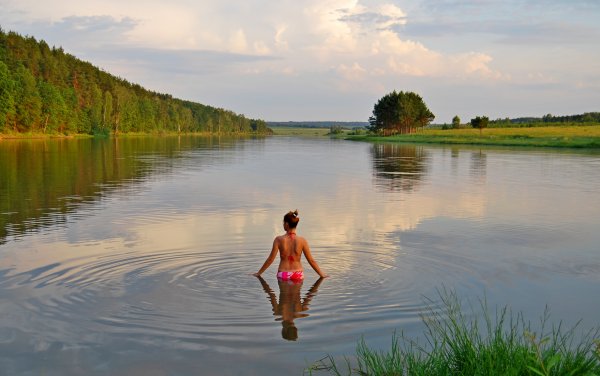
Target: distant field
{"points": [[555, 136], [552, 131], [299, 131]]}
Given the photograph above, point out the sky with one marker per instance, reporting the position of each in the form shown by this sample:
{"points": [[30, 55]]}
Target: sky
{"points": [[311, 60]]}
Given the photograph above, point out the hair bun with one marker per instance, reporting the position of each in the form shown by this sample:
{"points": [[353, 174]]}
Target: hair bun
{"points": [[291, 218]]}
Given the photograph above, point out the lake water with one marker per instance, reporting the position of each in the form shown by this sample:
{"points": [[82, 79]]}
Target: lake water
{"points": [[133, 256]]}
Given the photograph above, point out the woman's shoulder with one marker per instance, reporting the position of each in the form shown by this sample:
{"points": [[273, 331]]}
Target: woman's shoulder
{"points": [[301, 239]]}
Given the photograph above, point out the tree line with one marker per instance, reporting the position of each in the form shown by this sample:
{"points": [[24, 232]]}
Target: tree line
{"points": [[46, 90], [586, 117], [480, 122]]}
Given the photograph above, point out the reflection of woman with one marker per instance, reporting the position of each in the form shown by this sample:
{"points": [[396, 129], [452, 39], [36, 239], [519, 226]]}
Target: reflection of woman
{"points": [[290, 248], [290, 305]]}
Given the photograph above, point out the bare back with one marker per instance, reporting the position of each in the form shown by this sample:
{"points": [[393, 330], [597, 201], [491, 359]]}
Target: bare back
{"points": [[290, 252], [290, 248]]}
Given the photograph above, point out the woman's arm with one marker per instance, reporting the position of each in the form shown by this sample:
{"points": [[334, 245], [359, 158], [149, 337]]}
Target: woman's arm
{"points": [[311, 293], [272, 296], [311, 260], [269, 259]]}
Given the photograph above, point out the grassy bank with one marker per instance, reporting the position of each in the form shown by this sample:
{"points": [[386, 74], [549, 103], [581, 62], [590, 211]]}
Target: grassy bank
{"points": [[300, 131], [556, 136], [33, 135], [37, 135], [457, 344]]}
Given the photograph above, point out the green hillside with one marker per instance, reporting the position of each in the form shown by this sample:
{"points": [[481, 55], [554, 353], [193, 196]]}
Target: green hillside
{"points": [[45, 90]]}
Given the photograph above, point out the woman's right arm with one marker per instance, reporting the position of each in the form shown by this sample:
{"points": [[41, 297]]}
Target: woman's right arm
{"points": [[311, 260]]}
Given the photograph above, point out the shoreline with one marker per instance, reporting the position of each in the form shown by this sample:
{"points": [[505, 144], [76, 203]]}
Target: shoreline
{"points": [[563, 137], [476, 341], [576, 137], [40, 136]]}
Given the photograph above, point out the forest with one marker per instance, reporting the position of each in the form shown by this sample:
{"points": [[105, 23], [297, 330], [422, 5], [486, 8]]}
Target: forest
{"points": [[44, 90]]}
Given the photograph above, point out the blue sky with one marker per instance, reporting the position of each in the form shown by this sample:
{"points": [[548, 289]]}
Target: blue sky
{"points": [[332, 59]]}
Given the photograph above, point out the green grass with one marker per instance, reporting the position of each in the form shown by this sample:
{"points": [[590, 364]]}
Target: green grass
{"points": [[460, 344], [28, 135], [300, 131], [160, 133], [555, 136]]}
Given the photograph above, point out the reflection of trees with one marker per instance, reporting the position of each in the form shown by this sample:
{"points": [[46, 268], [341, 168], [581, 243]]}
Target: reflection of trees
{"points": [[478, 164], [42, 181], [455, 153], [398, 167]]}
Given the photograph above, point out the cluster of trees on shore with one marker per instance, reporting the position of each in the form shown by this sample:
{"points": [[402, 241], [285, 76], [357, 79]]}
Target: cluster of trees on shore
{"points": [[478, 122], [45, 90], [400, 112]]}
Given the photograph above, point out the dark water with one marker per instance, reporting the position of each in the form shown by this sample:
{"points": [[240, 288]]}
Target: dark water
{"points": [[133, 256]]}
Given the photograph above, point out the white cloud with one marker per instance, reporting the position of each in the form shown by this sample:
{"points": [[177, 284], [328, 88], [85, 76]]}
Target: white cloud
{"points": [[238, 42], [307, 36], [476, 64], [396, 16], [353, 72], [341, 31], [260, 48], [280, 43], [330, 32], [168, 28]]}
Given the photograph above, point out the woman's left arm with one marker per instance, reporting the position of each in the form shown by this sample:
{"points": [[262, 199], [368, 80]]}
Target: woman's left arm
{"points": [[269, 259]]}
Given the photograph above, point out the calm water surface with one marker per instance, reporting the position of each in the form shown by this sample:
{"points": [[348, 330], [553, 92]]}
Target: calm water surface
{"points": [[133, 256]]}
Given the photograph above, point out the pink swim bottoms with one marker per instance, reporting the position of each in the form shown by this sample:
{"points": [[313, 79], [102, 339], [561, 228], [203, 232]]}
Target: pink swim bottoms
{"points": [[291, 276]]}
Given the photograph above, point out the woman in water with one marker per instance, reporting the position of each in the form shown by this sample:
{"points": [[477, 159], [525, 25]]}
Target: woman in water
{"points": [[290, 305], [290, 248]]}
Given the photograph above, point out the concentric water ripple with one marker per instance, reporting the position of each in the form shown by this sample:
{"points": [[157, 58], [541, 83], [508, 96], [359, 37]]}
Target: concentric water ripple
{"points": [[191, 297], [175, 293]]}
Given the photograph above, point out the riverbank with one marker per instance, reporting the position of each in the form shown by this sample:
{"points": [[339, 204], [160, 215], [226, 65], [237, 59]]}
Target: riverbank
{"points": [[30, 135], [556, 136], [300, 131], [33, 135], [457, 343]]}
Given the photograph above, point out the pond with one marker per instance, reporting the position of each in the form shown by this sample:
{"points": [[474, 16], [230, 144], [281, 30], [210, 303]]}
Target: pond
{"points": [[133, 256]]}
